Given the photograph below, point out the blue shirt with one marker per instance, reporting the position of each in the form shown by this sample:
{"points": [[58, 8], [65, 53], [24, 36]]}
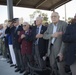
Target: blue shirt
{"points": [[9, 37]]}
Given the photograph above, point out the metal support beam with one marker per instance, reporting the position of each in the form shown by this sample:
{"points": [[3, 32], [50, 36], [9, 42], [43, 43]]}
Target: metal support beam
{"points": [[58, 4], [10, 9], [18, 2], [40, 3]]}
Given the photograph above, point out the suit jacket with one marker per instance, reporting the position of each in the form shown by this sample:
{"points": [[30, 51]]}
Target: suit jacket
{"points": [[9, 35], [16, 44], [26, 45], [58, 45], [69, 37], [42, 43]]}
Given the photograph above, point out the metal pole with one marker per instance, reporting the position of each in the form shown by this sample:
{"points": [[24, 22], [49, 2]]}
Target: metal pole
{"points": [[10, 9], [65, 11]]}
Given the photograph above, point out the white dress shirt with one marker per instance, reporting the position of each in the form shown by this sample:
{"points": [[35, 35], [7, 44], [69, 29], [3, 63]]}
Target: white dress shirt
{"points": [[40, 29], [38, 33], [54, 30], [17, 27]]}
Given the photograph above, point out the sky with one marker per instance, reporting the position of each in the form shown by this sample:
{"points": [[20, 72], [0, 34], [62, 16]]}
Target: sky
{"points": [[25, 12]]}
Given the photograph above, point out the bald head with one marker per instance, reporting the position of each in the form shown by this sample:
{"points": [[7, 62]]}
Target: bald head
{"points": [[55, 13], [39, 21], [39, 18], [55, 17]]}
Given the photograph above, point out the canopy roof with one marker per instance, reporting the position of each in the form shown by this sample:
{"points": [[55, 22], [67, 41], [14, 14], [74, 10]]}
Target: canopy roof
{"points": [[37, 4]]}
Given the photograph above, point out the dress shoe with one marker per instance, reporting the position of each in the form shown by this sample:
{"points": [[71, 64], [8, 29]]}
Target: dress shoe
{"points": [[12, 65], [26, 73], [10, 62], [0, 53], [21, 71], [16, 66], [17, 70], [70, 73]]}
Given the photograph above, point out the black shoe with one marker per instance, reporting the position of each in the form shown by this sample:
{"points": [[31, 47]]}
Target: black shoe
{"points": [[0, 53], [17, 70], [70, 73], [53, 73], [26, 73], [21, 71], [8, 61], [12, 65], [16, 66]]}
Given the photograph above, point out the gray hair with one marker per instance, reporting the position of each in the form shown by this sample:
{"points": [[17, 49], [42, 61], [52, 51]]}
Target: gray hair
{"points": [[26, 23], [55, 13], [39, 18]]}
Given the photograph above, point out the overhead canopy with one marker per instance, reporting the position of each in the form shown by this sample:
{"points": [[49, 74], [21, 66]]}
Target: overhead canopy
{"points": [[37, 4]]}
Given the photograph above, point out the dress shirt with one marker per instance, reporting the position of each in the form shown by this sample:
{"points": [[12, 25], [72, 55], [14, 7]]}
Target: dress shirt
{"points": [[38, 33], [17, 27], [39, 29], [54, 30]]}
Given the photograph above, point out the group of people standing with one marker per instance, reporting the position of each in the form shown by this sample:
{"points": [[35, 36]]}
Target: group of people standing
{"points": [[33, 44]]}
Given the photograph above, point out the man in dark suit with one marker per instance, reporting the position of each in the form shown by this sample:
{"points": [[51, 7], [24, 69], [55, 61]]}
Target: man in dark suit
{"points": [[16, 44], [39, 44], [9, 34], [69, 37]]}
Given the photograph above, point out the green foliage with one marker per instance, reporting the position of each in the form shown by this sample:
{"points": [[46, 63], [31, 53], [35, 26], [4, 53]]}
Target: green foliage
{"points": [[44, 15]]}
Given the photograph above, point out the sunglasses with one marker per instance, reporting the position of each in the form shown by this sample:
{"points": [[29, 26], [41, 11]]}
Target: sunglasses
{"points": [[24, 25]]}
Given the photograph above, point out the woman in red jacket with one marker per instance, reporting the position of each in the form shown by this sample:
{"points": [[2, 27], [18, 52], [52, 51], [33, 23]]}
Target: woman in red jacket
{"points": [[26, 45]]}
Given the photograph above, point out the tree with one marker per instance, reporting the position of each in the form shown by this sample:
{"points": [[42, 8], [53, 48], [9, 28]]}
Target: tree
{"points": [[69, 19], [39, 13], [45, 17]]}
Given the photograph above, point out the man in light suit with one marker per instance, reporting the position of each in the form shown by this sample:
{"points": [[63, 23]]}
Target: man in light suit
{"points": [[56, 46]]}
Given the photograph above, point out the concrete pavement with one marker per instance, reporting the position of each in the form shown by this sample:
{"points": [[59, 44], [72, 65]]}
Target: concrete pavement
{"points": [[5, 68]]}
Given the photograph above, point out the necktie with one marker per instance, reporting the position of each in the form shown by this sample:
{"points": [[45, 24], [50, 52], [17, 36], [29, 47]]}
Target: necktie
{"points": [[15, 29], [37, 30]]}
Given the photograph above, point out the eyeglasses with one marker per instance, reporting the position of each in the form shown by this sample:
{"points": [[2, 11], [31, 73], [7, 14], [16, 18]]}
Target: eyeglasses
{"points": [[14, 22], [24, 25]]}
